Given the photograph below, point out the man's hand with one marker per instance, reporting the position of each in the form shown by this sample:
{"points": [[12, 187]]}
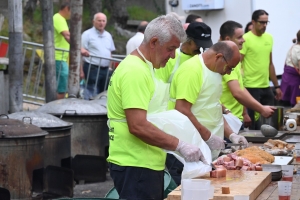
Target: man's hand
{"points": [[247, 120], [237, 139], [84, 52], [268, 111], [191, 153], [215, 142], [278, 94]]}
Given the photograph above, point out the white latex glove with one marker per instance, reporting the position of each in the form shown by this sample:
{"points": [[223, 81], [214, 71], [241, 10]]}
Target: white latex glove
{"points": [[215, 143], [236, 139], [190, 152]]}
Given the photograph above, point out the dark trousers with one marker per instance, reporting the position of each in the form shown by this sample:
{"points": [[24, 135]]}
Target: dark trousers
{"points": [[96, 79], [175, 168], [263, 95], [137, 183]]}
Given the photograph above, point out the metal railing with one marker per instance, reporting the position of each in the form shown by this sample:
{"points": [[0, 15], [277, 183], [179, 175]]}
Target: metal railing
{"points": [[33, 77]]}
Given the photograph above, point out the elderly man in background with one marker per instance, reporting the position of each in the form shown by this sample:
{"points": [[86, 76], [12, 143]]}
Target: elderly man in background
{"points": [[136, 158], [235, 96], [137, 39], [62, 40], [96, 41]]}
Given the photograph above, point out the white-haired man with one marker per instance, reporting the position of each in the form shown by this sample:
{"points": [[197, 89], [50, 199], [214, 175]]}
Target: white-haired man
{"points": [[136, 158], [96, 41]]}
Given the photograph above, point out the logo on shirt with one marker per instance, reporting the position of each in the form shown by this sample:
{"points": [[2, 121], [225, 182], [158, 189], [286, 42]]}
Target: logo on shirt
{"points": [[111, 137]]}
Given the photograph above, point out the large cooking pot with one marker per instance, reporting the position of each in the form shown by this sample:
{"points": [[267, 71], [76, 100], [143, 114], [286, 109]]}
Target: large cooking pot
{"points": [[57, 143], [102, 95], [89, 134], [22, 151], [276, 120]]}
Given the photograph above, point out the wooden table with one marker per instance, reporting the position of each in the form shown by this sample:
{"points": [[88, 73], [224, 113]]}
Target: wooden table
{"points": [[270, 192]]}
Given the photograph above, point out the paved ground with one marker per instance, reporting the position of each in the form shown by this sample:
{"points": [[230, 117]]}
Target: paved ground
{"points": [[99, 189]]}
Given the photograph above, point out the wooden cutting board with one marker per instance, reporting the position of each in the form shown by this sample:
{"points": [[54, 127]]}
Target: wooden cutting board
{"points": [[250, 183]]}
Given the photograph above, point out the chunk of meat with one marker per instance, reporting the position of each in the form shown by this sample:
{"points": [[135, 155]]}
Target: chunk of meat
{"points": [[226, 159], [258, 168], [239, 162], [218, 173]]}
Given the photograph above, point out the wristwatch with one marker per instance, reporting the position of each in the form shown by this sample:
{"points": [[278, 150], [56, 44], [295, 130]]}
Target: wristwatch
{"points": [[226, 111], [277, 87]]}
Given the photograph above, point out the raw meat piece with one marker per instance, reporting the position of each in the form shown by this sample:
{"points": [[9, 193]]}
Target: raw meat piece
{"points": [[225, 190], [218, 173]]}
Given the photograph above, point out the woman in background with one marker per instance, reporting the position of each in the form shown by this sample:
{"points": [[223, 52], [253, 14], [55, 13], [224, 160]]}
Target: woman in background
{"points": [[291, 76], [248, 27]]}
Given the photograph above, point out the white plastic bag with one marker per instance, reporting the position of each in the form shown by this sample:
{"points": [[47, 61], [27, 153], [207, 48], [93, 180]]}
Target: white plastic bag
{"points": [[178, 125], [234, 122]]}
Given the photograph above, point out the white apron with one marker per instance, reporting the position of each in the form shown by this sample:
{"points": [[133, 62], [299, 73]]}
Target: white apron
{"points": [[160, 98], [207, 109]]}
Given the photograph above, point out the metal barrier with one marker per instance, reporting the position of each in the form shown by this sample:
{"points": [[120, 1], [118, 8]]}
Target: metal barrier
{"points": [[33, 78], [97, 71]]}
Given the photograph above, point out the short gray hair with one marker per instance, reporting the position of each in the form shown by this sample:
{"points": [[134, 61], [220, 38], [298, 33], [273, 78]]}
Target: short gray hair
{"points": [[164, 27], [224, 48]]}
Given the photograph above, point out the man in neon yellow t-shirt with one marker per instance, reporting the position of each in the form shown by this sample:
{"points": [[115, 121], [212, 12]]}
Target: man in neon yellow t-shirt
{"points": [[62, 40], [195, 92], [136, 158], [256, 58], [235, 96], [198, 36]]}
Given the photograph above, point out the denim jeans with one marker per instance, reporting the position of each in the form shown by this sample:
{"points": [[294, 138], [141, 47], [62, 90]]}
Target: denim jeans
{"points": [[95, 79], [62, 75], [137, 183]]}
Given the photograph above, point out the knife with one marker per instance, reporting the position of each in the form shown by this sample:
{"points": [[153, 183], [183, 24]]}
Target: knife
{"points": [[234, 145]]}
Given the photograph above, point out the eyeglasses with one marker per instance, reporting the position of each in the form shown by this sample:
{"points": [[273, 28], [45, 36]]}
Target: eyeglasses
{"points": [[227, 66], [263, 22]]}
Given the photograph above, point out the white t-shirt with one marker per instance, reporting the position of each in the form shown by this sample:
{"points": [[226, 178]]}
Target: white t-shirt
{"points": [[134, 42], [293, 56]]}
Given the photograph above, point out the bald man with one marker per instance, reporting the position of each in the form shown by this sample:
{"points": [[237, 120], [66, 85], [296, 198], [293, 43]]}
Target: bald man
{"points": [[198, 97], [137, 39], [96, 42]]}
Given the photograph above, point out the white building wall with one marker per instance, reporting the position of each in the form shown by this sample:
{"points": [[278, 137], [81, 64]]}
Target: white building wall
{"points": [[283, 15]]}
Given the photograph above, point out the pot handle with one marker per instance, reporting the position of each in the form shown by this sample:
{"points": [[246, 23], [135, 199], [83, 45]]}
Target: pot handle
{"points": [[2, 134], [28, 118], [66, 112], [4, 115]]}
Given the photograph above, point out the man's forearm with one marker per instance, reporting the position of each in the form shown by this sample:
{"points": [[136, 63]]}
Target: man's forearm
{"points": [[272, 75], [227, 130]]}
